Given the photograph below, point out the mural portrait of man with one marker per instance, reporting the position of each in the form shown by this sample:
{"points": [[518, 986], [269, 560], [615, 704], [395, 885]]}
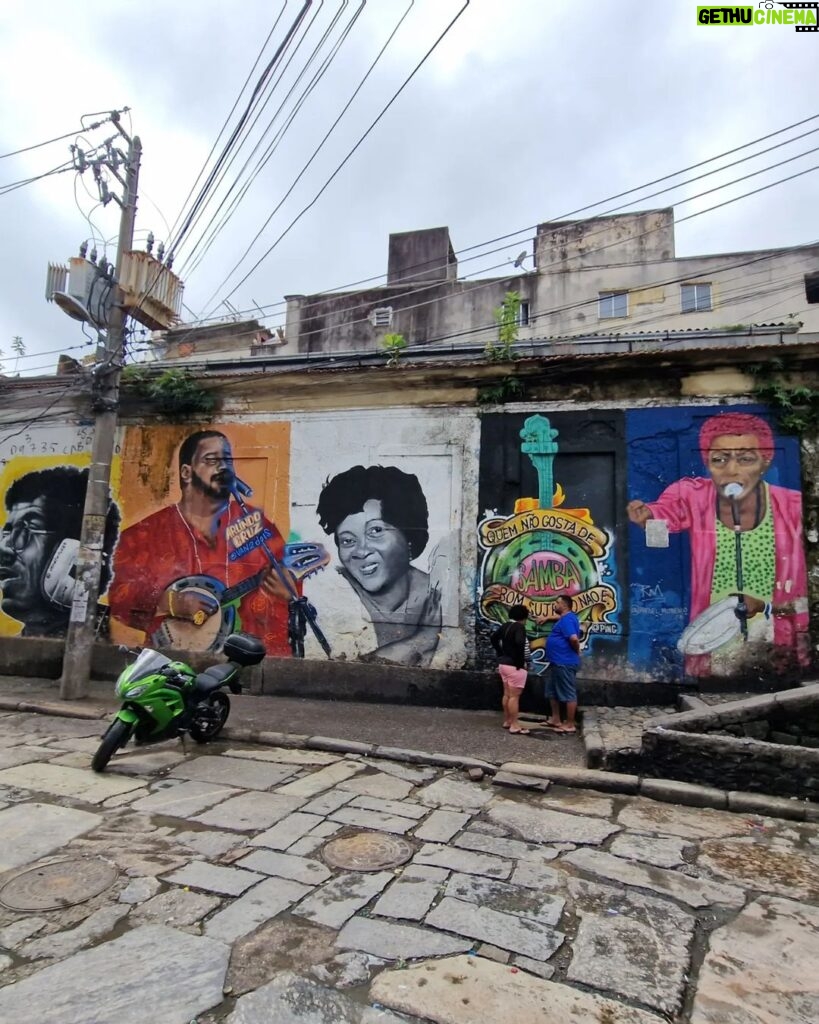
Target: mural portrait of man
{"points": [[196, 570], [379, 519], [737, 449], [39, 542]]}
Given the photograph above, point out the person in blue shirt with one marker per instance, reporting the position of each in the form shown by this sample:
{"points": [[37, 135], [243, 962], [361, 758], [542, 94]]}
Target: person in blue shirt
{"points": [[563, 654]]}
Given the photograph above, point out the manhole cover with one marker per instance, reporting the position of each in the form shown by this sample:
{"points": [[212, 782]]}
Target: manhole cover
{"points": [[367, 851], [61, 884]]}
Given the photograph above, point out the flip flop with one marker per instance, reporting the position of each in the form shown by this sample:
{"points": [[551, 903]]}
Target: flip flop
{"points": [[505, 726], [519, 732], [569, 731]]}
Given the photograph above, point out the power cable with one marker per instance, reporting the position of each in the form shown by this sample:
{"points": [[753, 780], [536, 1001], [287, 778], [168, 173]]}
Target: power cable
{"points": [[12, 186], [237, 131], [343, 163], [329, 293], [589, 251], [326, 136], [513, 234], [60, 138], [223, 129], [273, 145]]}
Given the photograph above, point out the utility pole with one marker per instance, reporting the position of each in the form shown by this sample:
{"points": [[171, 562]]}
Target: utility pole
{"points": [[79, 641]]}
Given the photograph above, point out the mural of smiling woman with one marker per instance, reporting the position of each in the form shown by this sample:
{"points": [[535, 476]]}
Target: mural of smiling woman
{"points": [[379, 518]]}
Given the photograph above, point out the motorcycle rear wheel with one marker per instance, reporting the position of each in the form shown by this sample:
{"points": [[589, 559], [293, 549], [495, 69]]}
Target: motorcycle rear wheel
{"points": [[116, 736], [210, 716]]}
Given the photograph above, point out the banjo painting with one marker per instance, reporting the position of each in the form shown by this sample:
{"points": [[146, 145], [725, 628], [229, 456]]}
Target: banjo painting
{"points": [[208, 633]]}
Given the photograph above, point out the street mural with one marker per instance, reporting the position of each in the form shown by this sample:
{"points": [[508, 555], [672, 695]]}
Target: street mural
{"points": [[379, 519], [203, 552], [385, 489], [545, 547], [43, 479], [718, 577]]}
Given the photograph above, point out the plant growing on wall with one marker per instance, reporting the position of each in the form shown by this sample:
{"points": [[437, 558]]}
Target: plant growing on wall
{"points": [[507, 389], [796, 406], [394, 345], [507, 317], [172, 392]]}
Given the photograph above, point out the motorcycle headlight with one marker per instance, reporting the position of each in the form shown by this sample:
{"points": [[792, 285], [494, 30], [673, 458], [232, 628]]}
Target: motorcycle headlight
{"points": [[136, 691]]}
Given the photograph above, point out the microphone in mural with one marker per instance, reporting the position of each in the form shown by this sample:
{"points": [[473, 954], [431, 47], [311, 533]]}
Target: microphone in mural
{"points": [[747, 566], [39, 543], [195, 571]]}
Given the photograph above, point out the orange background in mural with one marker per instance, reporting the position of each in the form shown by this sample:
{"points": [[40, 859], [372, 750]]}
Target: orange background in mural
{"points": [[150, 469]]}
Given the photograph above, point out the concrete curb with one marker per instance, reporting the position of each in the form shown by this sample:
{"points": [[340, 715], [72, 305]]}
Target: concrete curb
{"points": [[46, 708], [670, 791], [592, 740], [665, 790], [336, 746]]}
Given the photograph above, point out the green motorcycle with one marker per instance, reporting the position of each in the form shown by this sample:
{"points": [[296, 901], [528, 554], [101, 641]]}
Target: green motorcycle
{"points": [[163, 699]]}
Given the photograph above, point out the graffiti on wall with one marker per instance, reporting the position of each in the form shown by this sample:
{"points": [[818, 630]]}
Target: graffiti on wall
{"points": [[379, 519], [385, 488], [199, 559], [43, 479], [545, 549], [717, 559]]}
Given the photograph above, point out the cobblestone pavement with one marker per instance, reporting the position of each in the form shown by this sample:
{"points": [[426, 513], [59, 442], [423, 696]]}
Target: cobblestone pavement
{"points": [[621, 729], [229, 905]]}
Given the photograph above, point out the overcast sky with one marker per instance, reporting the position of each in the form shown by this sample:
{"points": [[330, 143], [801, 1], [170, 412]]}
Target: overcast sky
{"points": [[527, 111]]}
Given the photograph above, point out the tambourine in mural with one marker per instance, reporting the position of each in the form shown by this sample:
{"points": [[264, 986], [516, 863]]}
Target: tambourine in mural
{"points": [[711, 629]]}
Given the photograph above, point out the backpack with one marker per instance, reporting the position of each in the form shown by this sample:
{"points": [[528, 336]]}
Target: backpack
{"points": [[497, 638]]}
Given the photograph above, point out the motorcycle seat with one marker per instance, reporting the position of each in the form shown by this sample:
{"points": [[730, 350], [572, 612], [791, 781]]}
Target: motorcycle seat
{"points": [[212, 678]]}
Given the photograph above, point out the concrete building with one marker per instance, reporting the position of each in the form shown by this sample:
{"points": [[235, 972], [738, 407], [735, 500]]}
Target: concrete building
{"points": [[603, 275]]}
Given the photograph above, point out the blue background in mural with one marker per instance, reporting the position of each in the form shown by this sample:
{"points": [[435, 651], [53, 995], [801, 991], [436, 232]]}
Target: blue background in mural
{"points": [[663, 446]]}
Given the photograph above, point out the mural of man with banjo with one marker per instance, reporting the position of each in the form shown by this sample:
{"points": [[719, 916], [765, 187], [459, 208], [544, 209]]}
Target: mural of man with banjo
{"points": [[198, 570]]}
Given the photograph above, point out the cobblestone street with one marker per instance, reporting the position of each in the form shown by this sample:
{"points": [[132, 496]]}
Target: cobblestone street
{"points": [[456, 900]]}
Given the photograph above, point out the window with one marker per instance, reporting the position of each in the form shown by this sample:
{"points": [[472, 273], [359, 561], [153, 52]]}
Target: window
{"points": [[523, 314], [381, 317], [612, 304], [695, 298], [812, 288]]}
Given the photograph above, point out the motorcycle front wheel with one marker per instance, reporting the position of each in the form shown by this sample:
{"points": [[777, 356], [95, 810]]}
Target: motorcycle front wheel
{"points": [[209, 717], [116, 736]]}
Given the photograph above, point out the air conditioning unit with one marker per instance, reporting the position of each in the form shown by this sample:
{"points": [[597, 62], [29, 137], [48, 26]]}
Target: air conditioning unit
{"points": [[381, 316], [81, 290]]}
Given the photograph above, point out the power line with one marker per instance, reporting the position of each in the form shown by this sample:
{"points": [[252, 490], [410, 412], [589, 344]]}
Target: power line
{"points": [[274, 144], [238, 129], [60, 138], [589, 237], [343, 163], [329, 293], [572, 213], [227, 119]]}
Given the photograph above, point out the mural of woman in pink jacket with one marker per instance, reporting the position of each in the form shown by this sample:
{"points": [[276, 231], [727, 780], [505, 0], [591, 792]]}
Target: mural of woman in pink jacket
{"points": [[737, 448]]}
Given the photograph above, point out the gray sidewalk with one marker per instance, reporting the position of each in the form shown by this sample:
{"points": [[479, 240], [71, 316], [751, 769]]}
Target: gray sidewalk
{"points": [[457, 733]]}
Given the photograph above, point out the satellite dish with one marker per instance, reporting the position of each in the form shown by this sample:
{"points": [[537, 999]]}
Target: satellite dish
{"points": [[521, 258]]}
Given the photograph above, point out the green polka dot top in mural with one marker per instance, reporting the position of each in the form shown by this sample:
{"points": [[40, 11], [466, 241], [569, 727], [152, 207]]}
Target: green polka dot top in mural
{"points": [[758, 559]]}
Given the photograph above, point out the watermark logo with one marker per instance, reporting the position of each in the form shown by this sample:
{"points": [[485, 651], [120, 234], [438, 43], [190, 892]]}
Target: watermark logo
{"points": [[803, 16]]}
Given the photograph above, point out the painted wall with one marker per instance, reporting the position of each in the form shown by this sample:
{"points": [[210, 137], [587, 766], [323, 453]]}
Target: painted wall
{"points": [[43, 477], [405, 535], [360, 512], [628, 512]]}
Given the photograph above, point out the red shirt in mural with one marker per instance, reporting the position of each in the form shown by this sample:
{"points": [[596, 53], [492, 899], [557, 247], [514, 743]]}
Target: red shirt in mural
{"points": [[164, 549]]}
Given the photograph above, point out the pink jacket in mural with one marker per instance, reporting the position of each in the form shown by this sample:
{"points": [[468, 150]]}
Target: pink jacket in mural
{"points": [[690, 503]]}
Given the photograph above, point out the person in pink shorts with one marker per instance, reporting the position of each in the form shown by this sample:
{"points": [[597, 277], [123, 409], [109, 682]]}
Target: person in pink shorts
{"points": [[512, 648]]}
